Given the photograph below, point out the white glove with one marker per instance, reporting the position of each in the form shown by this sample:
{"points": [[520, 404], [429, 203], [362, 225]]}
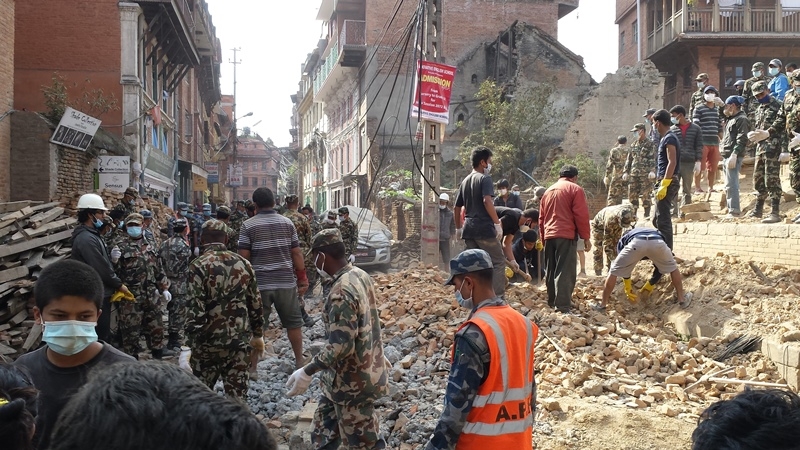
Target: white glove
{"points": [[795, 142], [459, 233], [697, 167], [154, 298], [718, 101], [651, 175], [167, 296], [184, 358], [757, 135], [784, 157], [197, 251], [498, 230], [513, 265], [352, 258], [298, 382], [605, 181], [732, 162], [624, 177], [115, 254]]}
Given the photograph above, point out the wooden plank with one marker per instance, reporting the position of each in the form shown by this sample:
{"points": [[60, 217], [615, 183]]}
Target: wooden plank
{"points": [[10, 265], [6, 350], [49, 228], [13, 274], [25, 255], [45, 206], [33, 338], [51, 259], [53, 249], [45, 217], [14, 206], [19, 318], [33, 243], [23, 213], [35, 259]]}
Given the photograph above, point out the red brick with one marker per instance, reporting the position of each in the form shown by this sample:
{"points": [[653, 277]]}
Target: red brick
{"points": [[6, 94]]}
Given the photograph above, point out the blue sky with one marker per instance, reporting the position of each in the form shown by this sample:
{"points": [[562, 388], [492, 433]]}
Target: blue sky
{"points": [[275, 38]]}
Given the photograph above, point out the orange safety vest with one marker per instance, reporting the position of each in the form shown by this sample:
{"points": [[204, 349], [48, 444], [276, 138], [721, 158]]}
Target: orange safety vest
{"points": [[502, 411]]}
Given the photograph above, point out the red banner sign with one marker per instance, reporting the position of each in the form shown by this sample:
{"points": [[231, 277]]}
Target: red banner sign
{"points": [[433, 87]]}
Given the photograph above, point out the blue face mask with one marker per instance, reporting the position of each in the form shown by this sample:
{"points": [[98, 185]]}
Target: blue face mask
{"points": [[207, 213], [464, 302], [184, 213], [764, 99], [134, 232], [98, 223], [69, 337], [773, 71]]}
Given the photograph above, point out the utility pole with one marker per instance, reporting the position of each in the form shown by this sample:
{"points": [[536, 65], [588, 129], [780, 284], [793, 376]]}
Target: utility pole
{"points": [[235, 63], [431, 147]]}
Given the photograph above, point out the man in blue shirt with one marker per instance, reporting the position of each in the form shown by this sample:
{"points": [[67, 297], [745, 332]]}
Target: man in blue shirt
{"points": [[779, 84], [634, 246]]}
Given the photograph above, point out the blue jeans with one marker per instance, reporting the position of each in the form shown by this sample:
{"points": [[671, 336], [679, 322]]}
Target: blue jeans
{"points": [[732, 185]]}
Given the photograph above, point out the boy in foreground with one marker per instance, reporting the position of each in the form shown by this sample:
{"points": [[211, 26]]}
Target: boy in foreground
{"points": [[68, 297]]}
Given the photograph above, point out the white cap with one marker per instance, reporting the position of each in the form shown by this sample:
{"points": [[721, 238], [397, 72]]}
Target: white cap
{"points": [[91, 201], [444, 196]]}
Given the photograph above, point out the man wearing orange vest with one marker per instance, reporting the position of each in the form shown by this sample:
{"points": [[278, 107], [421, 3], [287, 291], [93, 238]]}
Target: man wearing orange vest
{"points": [[491, 393]]}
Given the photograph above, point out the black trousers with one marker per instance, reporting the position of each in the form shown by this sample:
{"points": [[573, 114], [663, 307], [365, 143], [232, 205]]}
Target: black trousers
{"points": [[561, 272]]}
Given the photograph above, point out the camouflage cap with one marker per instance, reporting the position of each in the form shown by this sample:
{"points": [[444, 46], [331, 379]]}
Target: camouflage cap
{"points": [[626, 216], [539, 192], [328, 236], [331, 214], [224, 210], [758, 66], [183, 206], [344, 210], [179, 223], [146, 214], [214, 225], [134, 218], [207, 206], [240, 202], [759, 87], [701, 77], [132, 192], [638, 126], [468, 261], [249, 204], [795, 76], [292, 199]]}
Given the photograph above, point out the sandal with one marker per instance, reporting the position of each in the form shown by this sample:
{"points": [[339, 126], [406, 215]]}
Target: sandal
{"points": [[598, 307]]}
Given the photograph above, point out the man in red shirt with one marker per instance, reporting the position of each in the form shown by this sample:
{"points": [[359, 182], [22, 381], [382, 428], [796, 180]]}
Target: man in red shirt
{"points": [[563, 217]]}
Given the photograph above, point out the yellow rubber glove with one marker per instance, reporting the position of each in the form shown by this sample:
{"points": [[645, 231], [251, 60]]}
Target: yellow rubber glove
{"points": [[119, 295], [647, 287], [662, 188], [509, 272], [539, 246], [629, 290]]}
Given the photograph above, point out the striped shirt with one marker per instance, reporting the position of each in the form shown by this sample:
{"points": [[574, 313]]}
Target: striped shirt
{"points": [[710, 125], [270, 237]]}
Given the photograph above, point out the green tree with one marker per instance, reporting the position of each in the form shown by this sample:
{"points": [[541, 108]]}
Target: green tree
{"points": [[590, 173], [92, 101], [517, 127]]}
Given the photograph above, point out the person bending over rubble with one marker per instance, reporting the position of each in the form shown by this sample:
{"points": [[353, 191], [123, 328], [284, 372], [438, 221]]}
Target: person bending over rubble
{"points": [[634, 246], [491, 393], [753, 420]]}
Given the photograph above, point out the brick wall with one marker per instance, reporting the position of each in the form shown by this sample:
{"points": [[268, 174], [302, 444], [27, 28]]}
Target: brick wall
{"points": [[79, 39], [768, 244], [75, 172], [6, 94], [629, 54], [33, 158]]}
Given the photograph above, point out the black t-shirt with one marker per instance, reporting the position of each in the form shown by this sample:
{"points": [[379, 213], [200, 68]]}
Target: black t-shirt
{"points": [[473, 188], [57, 385], [669, 139], [509, 219]]}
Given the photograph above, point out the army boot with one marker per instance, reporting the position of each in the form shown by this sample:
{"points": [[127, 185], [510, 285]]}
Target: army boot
{"points": [[174, 341], [646, 213], [775, 214], [758, 210]]}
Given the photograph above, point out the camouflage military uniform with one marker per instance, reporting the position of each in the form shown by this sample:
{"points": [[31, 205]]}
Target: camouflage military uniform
{"points": [[614, 169], [788, 120], [641, 161], [353, 372], [175, 255], [750, 100], [235, 224], [223, 311], [304, 235], [697, 99], [607, 228], [532, 203], [767, 170], [140, 271], [349, 232]]}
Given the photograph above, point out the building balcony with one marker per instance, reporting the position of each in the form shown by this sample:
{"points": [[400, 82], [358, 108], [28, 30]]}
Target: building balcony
{"points": [[344, 56], [734, 25], [170, 19], [566, 6]]}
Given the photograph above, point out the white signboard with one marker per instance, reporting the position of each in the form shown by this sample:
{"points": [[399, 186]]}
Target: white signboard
{"points": [[235, 175], [114, 172], [75, 130]]}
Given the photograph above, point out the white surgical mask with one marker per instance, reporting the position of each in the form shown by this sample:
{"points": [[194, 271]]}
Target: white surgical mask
{"points": [[515, 192], [674, 120], [773, 71], [709, 97], [757, 73], [442, 207], [503, 191], [488, 169], [464, 302], [324, 275], [701, 85]]}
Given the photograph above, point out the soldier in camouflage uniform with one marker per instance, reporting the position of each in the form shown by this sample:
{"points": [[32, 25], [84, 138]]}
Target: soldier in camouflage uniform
{"points": [[494, 338], [639, 170], [147, 229], [175, 255], [128, 204], [304, 236], [697, 96], [316, 227], [750, 101], [614, 168], [224, 215], [767, 170], [138, 267], [607, 227], [224, 314], [788, 122], [330, 221], [533, 202], [349, 231], [237, 218], [353, 370]]}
